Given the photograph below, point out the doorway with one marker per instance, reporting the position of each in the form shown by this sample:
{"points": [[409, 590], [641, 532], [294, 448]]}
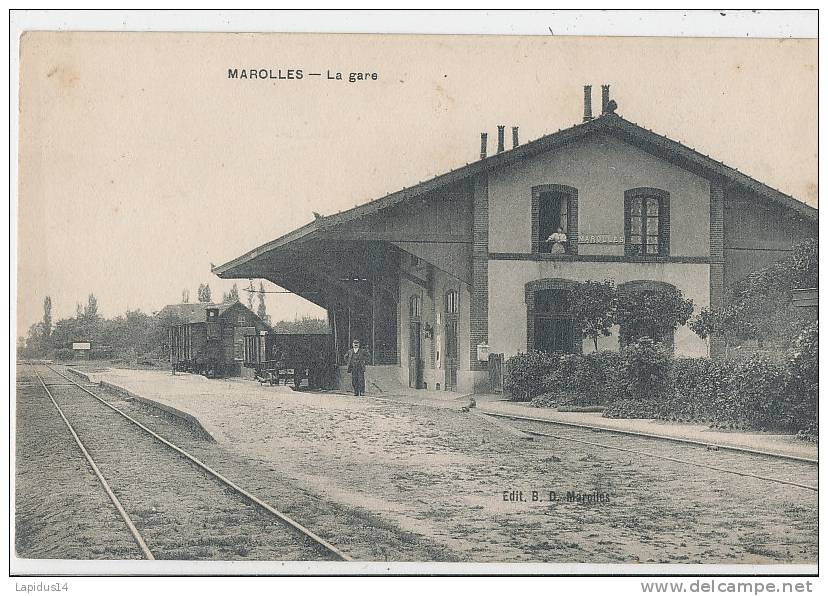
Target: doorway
{"points": [[415, 362], [415, 349], [450, 351]]}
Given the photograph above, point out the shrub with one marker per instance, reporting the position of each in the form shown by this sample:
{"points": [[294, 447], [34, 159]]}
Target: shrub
{"points": [[646, 369], [696, 384], [802, 372], [631, 408], [526, 375], [64, 354], [595, 378], [752, 395], [651, 313], [576, 380]]}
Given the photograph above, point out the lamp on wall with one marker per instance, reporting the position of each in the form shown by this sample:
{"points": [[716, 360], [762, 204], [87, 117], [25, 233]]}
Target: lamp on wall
{"points": [[428, 331]]}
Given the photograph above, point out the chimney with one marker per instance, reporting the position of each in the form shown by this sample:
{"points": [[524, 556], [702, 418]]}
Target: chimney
{"points": [[587, 103], [515, 141], [501, 130], [604, 98], [484, 143]]}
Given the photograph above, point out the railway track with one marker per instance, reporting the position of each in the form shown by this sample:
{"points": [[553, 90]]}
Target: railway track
{"points": [[796, 472], [174, 505]]}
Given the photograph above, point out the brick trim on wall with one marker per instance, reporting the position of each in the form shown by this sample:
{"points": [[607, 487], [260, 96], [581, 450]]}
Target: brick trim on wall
{"points": [[525, 256], [571, 218], [479, 302], [530, 290], [716, 258]]}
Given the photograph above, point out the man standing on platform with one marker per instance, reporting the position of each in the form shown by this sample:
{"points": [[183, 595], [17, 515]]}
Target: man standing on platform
{"points": [[357, 359]]}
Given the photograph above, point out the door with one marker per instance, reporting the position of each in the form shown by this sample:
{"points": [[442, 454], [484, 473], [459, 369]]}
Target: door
{"points": [[415, 362], [450, 354]]}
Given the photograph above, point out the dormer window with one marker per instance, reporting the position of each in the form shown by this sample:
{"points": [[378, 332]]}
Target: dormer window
{"points": [[554, 219], [646, 222]]}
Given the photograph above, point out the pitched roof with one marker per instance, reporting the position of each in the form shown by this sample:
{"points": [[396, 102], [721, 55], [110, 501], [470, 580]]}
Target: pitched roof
{"points": [[186, 313], [197, 312], [652, 142]]}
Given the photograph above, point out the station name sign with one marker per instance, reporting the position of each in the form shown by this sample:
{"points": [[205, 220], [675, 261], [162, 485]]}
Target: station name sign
{"points": [[600, 239], [81, 345]]}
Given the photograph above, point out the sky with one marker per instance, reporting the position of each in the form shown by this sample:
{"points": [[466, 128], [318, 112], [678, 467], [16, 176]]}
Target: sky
{"points": [[141, 163]]}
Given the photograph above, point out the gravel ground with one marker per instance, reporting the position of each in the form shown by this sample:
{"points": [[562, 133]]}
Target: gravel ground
{"points": [[61, 511], [392, 481], [442, 474], [173, 522], [181, 512]]}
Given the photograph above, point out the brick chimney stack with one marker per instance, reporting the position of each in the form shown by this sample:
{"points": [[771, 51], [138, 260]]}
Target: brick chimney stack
{"points": [[515, 141], [605, 99], [587, 103], [501, 131], [484, 144]]}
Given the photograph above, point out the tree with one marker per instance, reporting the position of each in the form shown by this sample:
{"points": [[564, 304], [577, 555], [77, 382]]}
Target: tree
{"points": [[185, 296], [651, 313], [204, 293], [593, 308], [262, 309], [303, 325], [47, 316], [91, 310], [233, 296], [758, 307], [250, 291]]}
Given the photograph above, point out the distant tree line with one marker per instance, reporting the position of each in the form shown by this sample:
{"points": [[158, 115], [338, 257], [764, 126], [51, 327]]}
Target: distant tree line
{"points": [[131, 336], [303, 325]]}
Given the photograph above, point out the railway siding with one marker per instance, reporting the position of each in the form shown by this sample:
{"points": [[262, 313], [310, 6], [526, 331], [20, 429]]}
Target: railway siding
{"points": [[61, 510], [449, 475], [181, 511], [172, 411]]}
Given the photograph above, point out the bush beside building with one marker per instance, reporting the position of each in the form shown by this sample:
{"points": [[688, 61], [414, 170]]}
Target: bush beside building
{"points": [[644, 381]]}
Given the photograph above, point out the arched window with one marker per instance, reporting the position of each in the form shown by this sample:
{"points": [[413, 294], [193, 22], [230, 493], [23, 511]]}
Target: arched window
{"points": [[550, 324], [554, 330], [646, 222], [451, 302], [414, 307], [555, 216]]}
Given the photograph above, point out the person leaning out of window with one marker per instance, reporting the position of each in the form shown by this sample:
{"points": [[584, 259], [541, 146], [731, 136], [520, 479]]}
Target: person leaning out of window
{"points": [[558, 241]]}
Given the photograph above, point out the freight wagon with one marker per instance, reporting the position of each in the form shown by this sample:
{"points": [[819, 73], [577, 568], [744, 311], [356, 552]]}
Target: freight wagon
{"points": [[291, 358], [209, 339]]}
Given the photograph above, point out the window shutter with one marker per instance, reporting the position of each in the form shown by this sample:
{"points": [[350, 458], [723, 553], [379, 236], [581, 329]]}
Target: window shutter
{"points": [[627, 209], [572, 222], [664, 225]]}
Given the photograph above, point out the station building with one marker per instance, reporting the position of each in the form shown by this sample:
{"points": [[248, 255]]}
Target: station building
{"points": [[432, 277]]}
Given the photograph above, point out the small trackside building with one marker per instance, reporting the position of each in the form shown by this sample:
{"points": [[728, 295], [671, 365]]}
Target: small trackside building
{"points": [[430, 276], [207, 337]]}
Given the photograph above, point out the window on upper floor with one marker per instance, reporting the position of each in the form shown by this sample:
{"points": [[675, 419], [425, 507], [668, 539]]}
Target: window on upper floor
{"points": [[646, 222], [554, 219], [451, 302], [414, 308]]}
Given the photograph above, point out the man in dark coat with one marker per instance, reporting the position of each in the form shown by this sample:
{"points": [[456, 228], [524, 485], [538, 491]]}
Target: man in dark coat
{"points": [[357, 359]]}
